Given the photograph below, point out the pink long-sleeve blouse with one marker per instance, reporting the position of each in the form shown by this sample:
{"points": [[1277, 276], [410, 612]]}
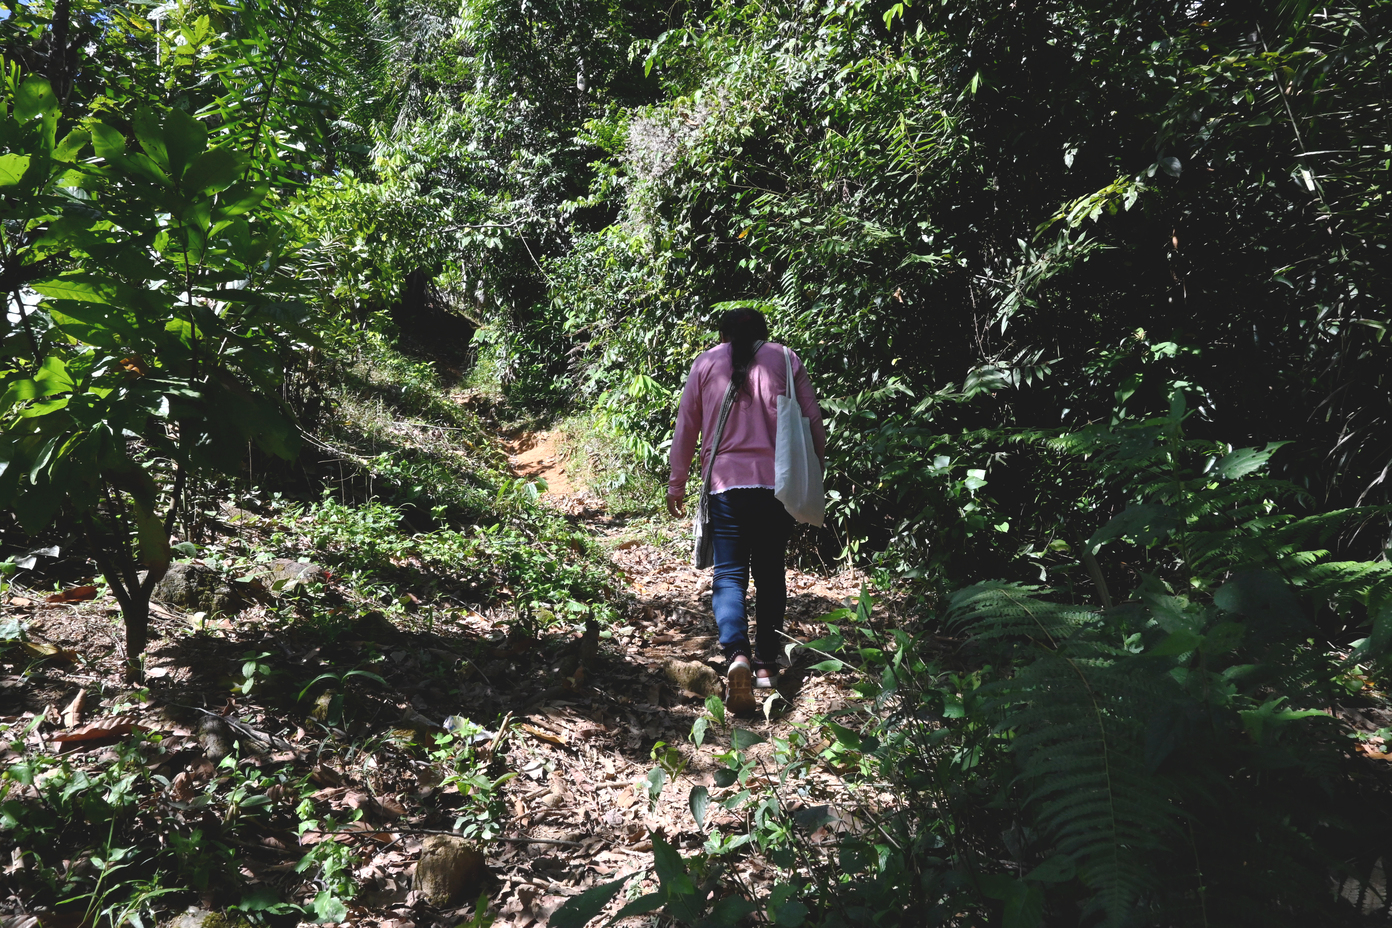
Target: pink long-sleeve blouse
{"points": [[746, 449]]}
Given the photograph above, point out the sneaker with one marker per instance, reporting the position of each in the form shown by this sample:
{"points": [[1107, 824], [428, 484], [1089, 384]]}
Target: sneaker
{"points": [[764, 679], [739, 692]]}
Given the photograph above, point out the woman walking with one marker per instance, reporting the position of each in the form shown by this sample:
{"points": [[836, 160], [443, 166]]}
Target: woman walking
{"points": [[749, 526]]}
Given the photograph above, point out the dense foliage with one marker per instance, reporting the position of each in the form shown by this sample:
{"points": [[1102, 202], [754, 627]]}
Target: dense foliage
{"points": [[1095, 296]]}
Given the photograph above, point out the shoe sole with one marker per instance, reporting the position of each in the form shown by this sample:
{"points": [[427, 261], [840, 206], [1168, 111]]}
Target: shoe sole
{"points": [[739, 696]]}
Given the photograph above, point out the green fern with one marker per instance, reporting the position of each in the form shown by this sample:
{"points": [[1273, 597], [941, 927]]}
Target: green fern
{"points": [[1195, 699], [1076, 714]]}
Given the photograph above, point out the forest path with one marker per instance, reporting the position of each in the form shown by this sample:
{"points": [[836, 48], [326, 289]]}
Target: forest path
{"points": [[536, 455], [599, 744]]}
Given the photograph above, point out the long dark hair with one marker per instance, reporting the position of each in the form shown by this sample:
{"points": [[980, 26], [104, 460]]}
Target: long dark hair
{"points": [[742, 328]]}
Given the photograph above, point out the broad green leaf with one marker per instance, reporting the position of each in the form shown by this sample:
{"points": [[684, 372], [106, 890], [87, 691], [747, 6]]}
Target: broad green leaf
{"points": [[657, 779], [185, 138], [107, 142], [699, 802], [1024, 902], [43, 459], [829, 666], [790, 914], [213, 171], [1024, 909], [45, 407], [329, 908], [1141, 522], [845, 736], [1242, 461], [1271, 717], [18, 391], [1261, 595], [72, 146], [671, 869], [154, 542], [1377, 643], [579, 911], [145, 168], [36, 505], [1223, 637], [731, 910], [640, 906], [34, 98], [12, 168], [85, 288], [150, 134], [741, 738], [1057, 869], [698, 730], [94, 325], [52, 376], [241, 198], [1177, 643]]}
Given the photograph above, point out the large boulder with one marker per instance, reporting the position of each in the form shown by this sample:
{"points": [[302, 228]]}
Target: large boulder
{"points": [[195, 588], [448, 871]]}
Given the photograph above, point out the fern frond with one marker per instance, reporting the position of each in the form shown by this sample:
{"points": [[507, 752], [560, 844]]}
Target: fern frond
{"points": [[1080, 737], [998, 610]]}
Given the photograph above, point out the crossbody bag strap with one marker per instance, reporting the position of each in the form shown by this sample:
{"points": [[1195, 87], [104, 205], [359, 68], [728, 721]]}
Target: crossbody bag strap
{"points": [[719, 432], [788, 366], [720, 425]]}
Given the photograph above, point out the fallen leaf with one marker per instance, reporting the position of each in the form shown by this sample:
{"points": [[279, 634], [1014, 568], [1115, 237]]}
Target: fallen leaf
{"points": [[114, 727], [21, 602], [77, 594], [543, 735], [358, 799], [72, 715], [182, 788], [42, 649], [325, 776]]}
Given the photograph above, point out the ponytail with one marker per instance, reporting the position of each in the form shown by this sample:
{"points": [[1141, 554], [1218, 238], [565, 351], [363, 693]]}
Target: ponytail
{"points": [[742, 328]]}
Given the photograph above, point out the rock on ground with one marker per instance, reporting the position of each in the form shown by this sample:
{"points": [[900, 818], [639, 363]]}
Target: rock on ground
{"points": [[193, 587], [202, 918], [283, 575], [448, 867], [695, 676]]}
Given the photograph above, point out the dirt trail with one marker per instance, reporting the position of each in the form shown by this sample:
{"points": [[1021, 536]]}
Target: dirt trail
{"points": [[598, 744], [535, 455]]}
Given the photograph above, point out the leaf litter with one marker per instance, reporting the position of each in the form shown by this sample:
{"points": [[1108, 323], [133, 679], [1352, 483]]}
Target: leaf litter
{"points": [[579, 809]]}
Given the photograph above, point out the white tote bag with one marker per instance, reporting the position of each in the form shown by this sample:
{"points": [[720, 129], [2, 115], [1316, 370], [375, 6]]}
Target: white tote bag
{"points": [[797, 474]]}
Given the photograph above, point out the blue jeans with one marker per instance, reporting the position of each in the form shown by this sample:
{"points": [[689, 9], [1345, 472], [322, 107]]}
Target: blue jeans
{"points": [[750, 529]]}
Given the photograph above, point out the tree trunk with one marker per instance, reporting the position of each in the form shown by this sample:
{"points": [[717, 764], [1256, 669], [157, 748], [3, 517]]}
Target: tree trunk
{"points": [[137, 619], [58, 53], [133, 596]]}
